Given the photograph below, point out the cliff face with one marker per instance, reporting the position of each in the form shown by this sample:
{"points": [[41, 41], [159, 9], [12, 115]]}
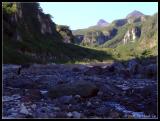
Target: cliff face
{"points": [[28, 19], [30, 36], [132, 35], [96, 37]]}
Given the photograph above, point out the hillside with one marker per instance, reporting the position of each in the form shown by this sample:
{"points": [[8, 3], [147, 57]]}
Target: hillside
{"points": [[136, 32], [107, 71], [30, 36]]}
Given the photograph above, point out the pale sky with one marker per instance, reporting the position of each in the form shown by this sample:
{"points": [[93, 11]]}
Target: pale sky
{"points": [[79, 15]]}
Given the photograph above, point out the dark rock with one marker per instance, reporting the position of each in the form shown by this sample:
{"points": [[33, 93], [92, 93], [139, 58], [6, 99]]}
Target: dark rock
{"points": [[94, 70], [82, 88], [76, 69], [132, 66], [22, 83], [31, 95], [115, 114], [102, 111], [65, 99], [151, 70]]}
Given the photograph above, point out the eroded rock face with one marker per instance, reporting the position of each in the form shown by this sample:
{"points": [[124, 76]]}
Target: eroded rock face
{"points": [[132, 35]]}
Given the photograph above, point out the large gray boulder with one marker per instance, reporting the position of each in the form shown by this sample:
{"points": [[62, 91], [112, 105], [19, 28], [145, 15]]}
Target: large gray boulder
{"points": [[83, 88]]}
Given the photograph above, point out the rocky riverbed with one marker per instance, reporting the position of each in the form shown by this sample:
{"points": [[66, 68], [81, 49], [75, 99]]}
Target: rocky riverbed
{"points": [[118, 90]]}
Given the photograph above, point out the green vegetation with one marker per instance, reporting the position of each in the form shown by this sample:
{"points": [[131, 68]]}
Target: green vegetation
{"points": [[9, 8], [25, 42]]}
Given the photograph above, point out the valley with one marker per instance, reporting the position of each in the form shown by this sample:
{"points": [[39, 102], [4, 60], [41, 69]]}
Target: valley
{"points": [[106, 71]]}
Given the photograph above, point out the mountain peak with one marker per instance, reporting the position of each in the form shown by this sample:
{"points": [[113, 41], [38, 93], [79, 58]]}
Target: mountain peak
{"points": [[135, 13], [102, 22]]}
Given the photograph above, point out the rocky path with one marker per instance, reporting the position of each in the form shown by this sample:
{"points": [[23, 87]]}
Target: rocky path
{"points": [[80, 91]]}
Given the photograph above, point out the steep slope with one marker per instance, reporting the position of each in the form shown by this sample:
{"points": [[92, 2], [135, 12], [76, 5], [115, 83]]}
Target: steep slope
{"points": [[30, 36], [119, 31]]}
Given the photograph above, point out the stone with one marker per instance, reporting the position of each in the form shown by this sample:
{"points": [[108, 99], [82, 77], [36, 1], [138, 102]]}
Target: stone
{"points": [[34, 94], [33, 106], [102, 111], [65, 99], [151, 70], [114, 114], [56, 108], [77, 96], [83, 88], [42, 112], [22, 83], [132, 66], [23, 109], [100, 93], [10, 98], [69, 114], [98, 70], [76, 114], [76, 69], [89, 104]]}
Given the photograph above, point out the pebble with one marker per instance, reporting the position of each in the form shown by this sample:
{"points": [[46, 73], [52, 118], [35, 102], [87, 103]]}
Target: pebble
{"points": [[23, 109], [69, 114], [56, 109], [33, 106], [77, 96], [76, 114], [89, 104]]}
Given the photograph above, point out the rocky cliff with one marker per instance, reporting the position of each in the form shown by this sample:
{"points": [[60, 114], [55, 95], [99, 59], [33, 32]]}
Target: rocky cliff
{"points": [[30, 36], [134, 27], [132, 35]]}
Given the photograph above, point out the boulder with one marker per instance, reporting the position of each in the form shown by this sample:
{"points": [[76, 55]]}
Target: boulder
{"points": [[94, 70], [75, 69], [24, 82], [65, 99], [151, 70], [117, 67], [33, 94], [83, 88], [132, 66]]}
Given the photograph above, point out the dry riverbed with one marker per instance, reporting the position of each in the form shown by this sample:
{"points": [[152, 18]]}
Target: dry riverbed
{"points": [[80, 91]]}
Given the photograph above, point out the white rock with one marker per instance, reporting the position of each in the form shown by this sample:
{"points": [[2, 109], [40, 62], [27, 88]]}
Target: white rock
{"points": [[23, 109], [69, 114], [77, 96], [89, 104], [43, 92], [57, 108], [33, 106], [76, 114]]}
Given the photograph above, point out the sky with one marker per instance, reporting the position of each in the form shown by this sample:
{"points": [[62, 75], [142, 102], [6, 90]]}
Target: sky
{"points": [[79, 15]]}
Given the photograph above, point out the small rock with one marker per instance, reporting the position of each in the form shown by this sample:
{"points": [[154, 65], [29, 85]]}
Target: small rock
{"points": [[77, 96], [43, 92], [76, 69], [23, 109], [33, 106], [76, 114], [65, 99], [56, 109], [89, 104], [69, 114], [100, 93]]}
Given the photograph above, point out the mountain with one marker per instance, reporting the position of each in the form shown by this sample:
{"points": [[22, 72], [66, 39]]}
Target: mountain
{"points": [[102, 23], [121, 31], [134, 14], [30, 36]]}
